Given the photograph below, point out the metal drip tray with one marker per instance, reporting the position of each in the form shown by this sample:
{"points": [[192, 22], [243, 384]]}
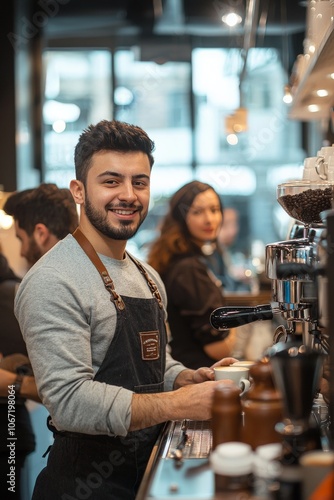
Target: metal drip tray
{"points": [[180, 467], [194, 436]]}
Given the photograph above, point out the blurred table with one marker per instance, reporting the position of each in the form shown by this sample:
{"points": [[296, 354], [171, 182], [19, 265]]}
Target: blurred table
{"points": [[248, 299]]}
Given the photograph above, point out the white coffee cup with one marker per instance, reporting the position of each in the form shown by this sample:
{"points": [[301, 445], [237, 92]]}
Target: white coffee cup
{"points": [[238, 374]]}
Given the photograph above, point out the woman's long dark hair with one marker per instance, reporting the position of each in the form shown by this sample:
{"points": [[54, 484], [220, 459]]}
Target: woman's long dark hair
{"points": [[175, 238]]}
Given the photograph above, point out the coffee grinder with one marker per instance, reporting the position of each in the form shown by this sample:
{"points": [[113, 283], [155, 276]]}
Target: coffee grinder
{"points": [[297, 371], [293, 266]]}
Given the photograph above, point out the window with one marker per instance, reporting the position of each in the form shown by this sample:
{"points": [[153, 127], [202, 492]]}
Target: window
{"points": [[158, 101], [77, 93], [183, 99]]}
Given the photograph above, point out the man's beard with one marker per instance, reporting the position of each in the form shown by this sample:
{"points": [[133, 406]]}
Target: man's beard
{"points": [[100, 222], [34, 252]]}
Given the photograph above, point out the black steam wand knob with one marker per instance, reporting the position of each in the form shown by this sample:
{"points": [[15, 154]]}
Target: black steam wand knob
{"points": [[224, 318]]}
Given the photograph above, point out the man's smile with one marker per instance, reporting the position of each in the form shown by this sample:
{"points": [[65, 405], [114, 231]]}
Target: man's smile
{"points": [[123, 212]]}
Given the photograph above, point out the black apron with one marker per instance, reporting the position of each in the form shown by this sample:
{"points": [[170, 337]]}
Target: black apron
{"points": [[93, 467]]}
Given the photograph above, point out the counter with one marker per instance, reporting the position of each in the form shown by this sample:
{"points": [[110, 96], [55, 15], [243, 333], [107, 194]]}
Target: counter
{"points": [[179, 467]]}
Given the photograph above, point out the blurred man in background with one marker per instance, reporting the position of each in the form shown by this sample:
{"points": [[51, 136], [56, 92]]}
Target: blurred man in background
{"points": [[42, 216]]}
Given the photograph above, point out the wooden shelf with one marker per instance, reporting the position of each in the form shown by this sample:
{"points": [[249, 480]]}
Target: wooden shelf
{"points": [[316, 76]]}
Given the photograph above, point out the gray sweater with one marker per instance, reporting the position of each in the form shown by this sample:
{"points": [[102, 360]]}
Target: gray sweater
{"points": [[68, 322]]}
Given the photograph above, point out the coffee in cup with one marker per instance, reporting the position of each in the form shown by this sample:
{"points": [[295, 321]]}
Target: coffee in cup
{"points": [[238, 374], [245, 363]]}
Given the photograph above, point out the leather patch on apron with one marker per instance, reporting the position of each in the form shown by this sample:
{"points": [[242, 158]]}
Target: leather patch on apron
{"points": [[150, 345]]}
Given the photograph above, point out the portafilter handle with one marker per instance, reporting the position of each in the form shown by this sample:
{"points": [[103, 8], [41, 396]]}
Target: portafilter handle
{"points": [[224, 318]]}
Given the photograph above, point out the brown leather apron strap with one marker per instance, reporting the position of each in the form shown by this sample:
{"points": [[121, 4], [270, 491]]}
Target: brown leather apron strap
{"points": [[153, 287], [91, 253]]}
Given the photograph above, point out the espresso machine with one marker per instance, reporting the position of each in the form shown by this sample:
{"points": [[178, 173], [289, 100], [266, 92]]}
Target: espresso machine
{"points": [[296, 266], [297, 269]]}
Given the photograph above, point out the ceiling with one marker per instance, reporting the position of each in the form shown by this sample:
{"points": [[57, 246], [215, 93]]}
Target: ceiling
{"points": [[271, 23], [195, 17]]}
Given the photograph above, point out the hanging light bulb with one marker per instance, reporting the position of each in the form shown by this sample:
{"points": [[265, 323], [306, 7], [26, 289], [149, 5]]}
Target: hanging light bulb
{"points": [[232, 19]]}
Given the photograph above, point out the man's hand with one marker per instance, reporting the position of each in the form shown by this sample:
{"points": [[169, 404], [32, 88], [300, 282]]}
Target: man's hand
{"points": [[192, 398], [14, 361], [193, 401], [201, 374], [28, 387]]}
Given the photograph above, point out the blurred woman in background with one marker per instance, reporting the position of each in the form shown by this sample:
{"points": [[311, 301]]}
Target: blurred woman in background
{"points": [[187, 231]]}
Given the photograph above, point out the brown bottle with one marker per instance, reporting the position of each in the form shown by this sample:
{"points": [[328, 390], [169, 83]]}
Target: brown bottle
{"points": [[262, 408], [226, 414]]}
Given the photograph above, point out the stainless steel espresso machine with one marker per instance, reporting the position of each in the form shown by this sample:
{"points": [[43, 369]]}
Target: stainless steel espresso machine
{"points": [[297, 268]]}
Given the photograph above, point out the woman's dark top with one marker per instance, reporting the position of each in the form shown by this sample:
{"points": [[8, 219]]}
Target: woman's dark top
{"points": [[192, 295], [215, 261]]}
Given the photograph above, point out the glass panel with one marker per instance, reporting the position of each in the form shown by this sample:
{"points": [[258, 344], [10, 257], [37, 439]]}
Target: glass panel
{"points": [[157, 98], [77, 93], [269, 135], [226, 179]]}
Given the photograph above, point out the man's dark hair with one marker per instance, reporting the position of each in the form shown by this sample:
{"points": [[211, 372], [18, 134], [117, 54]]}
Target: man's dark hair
{"points": [[109, 136], [47, 204], [13, 200]]}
